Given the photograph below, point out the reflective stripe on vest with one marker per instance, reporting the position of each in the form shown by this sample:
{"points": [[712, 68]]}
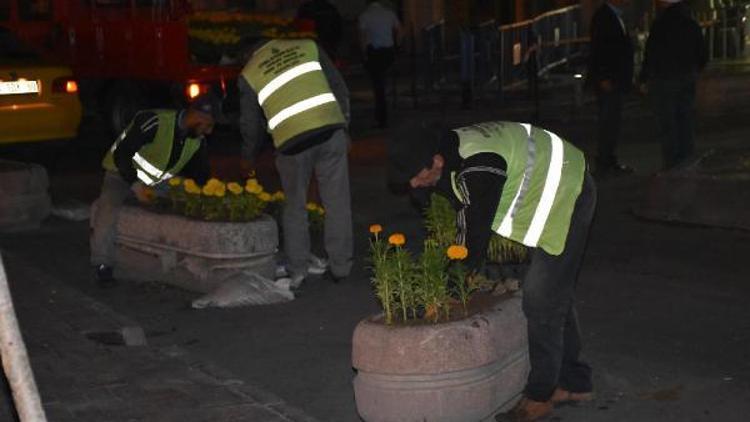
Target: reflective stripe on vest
{"points": [[285, 78], [551, 183], [151, 170], [506, 227], [143, 177], [299, 107]]}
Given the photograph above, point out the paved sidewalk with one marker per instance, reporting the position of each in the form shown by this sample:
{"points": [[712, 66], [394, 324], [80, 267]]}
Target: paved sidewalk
{"points": [[82, 380]]}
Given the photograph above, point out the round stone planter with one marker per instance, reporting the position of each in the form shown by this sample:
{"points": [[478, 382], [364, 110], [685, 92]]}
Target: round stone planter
{"points": [[460, 371], [192, 254], [24, 201], [711, 191]]}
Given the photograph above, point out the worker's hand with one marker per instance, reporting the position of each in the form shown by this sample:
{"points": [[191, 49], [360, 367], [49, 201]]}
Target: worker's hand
{"points": [[142, 192], [606, 85]]}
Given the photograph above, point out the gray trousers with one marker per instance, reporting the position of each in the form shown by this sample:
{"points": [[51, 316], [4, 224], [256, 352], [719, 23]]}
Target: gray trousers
{"points": [[330, 163], [104, 222]]}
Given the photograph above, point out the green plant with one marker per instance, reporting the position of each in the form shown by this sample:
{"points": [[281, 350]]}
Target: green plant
{"points": [[411, 289], [440, 221]]}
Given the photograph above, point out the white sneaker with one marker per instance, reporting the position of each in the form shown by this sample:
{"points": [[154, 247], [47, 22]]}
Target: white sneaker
{"points": [[317, 265], [281, 271]]}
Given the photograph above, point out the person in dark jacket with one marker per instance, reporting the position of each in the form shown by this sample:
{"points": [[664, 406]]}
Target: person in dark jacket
{"points": [[675, 54], [156, 145], [611, 74], [527, 184]]}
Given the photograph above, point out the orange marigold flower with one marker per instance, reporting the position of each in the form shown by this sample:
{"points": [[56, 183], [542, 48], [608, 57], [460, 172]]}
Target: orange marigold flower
{"points": [[457, 252], [376, 228], [397, 239]]}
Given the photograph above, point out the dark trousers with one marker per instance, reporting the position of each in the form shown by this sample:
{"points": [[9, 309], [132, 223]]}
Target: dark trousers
{"points": [[673, 102], [377, 63], [549, 306], [608, 128]]}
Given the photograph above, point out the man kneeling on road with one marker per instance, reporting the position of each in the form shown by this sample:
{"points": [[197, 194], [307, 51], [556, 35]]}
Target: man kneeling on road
{"points": [[157, 145], [526, 184]]}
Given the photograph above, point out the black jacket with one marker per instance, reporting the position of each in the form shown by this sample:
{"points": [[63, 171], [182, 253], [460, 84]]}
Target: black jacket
{"points": [[675, 46], [611, 56], [483, 189]]}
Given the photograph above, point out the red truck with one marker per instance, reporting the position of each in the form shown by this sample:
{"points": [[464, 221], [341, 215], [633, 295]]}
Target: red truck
{"points": [[132, 54]]}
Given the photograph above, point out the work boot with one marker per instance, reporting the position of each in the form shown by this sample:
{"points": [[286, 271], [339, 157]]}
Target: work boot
{"points": [[527, 410], [562, 396], [104, 276]]}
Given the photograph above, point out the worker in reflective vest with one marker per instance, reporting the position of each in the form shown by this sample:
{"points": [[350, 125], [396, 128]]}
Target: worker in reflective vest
{"points": [[155, 146], [291, 92], [529, 185]]}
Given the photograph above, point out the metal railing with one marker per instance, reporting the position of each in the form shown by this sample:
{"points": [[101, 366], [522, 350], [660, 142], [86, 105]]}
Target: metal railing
{"points": [[551, 40], [492, 57]]}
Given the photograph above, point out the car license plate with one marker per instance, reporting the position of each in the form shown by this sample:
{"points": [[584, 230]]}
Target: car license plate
{"points": [[19, 87]]}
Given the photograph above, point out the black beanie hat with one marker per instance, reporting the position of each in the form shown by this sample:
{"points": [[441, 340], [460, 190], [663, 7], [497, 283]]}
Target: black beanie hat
{"points": [[411, 149], [208, 103]]}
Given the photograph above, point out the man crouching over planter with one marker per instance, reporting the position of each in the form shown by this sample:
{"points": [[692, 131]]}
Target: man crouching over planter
{"points": [[157, 145], [526, 184]]}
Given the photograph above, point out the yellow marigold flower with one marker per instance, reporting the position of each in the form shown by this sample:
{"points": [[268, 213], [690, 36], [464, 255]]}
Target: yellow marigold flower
{"points": [[175, 181], [320, 210], [397, 239], [264, 196], [255, 189], [208, 190], [457, 252], [311, 206], [214, 182], [376, 228], [234, 187], [190, 186], [220, 191], [279, 196]]}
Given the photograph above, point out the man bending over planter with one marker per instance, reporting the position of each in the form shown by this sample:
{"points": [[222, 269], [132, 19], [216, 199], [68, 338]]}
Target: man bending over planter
{"points": [[290, 90], [527, 184], [156, 145]]}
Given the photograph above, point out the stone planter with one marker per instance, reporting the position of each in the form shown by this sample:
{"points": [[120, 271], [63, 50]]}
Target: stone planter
{"points": [[192, 254], [712, 191], [24, 201], [460, 371]]}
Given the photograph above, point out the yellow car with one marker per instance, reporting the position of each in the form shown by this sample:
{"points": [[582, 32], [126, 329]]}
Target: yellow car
{"points": [[38, 102]]}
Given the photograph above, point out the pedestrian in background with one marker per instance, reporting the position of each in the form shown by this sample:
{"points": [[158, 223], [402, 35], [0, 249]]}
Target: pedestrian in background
{"points": [[328, 24], [611, 75], [290, 90], [675, 54], [379, 30], [156, 145]]}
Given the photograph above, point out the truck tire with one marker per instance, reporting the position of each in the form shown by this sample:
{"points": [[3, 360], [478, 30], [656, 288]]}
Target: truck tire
{"points": [[124, 100], [24, 201]]}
